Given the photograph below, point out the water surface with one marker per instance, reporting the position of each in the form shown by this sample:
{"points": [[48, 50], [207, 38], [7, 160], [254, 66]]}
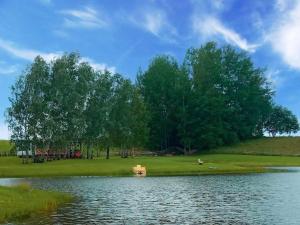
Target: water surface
{"points": [[272, 198]]}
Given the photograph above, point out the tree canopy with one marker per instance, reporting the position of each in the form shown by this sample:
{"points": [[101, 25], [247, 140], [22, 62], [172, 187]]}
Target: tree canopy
{"points": [[280, 121], [215, 97], [66, 101]]}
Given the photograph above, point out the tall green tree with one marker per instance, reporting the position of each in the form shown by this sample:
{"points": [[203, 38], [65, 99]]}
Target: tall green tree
{"points": [[98, 110], [129, 117], [247, 92], [116, 115], [280, 121], [160, 85], [28, 114], [138, 120], [205, 66], [17, 115], [70, 89], [231, 97]]}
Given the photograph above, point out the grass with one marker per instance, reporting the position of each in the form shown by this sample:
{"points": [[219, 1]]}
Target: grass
{"points": [[265, 146], [5, 146], [247, 157], [156, 166], [22, 202]]}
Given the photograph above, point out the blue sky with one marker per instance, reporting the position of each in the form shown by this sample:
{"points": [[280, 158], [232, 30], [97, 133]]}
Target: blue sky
{"points": [[123, 36]]}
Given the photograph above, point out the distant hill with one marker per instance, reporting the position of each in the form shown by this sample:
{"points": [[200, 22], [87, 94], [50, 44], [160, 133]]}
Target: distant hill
{"points": [[264, 146], [5, 146]]}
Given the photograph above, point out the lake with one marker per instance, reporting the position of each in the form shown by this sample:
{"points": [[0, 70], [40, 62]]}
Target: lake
{"points": [[271, 198]]}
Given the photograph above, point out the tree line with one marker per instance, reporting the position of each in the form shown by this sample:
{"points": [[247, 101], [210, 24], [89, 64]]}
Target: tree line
{"points": [[215, 97]]}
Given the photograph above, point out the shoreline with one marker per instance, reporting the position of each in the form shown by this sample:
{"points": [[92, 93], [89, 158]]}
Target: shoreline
{"points": [[21, 202], [214, 164]]}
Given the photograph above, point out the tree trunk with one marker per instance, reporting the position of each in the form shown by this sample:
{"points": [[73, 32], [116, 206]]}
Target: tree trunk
{"points": [[88, 151], [23, 159], [107, 152], [69, 151], [27, 153]]}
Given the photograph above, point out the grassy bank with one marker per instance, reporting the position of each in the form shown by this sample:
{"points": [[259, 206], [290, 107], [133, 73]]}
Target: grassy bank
{"points": [[173, 165], [5, 146], [288, 146], [21, 202]]}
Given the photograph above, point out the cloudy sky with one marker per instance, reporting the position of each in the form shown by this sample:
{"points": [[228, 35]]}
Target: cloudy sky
{"points": [[123, 36]]}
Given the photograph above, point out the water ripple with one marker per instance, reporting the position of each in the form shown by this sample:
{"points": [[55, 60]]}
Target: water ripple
{"points": [[233, 199]]}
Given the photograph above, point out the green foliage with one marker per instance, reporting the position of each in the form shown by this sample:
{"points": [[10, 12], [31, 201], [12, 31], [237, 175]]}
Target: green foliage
{"points": [[56, 104], [165, 87], [99, 107], [280, 121], [216, 97], [70, 87], [232, 96], [116, 114]]}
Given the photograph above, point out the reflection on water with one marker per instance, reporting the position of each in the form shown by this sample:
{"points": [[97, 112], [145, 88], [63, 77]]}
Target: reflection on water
{"points": [[231, 199]]}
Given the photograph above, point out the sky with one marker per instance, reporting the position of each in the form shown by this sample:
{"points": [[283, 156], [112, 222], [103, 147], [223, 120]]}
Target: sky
{"points": [[123, 36]]}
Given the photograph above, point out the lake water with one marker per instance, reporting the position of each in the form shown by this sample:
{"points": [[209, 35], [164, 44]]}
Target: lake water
{"points": [[272, 198]]}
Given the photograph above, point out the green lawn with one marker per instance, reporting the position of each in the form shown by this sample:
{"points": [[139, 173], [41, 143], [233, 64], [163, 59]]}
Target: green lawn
{"points": [[250, 156], [22, 202], [156, 166], [264, 146]]}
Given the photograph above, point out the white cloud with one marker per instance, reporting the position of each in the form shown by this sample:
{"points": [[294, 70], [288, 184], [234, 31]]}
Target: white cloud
{"points": [[86, 18], [98, 66], [211, 26], [275, 77], [4, 132], [284, 37], [29, 55], [281, 5], [155, 22], [6, 69]]}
